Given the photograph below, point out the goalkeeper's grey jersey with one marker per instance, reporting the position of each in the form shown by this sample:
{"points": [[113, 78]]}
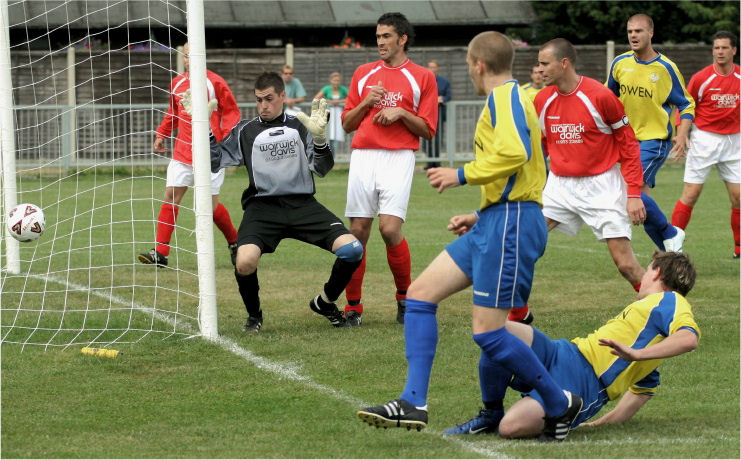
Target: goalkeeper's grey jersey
{"points": [[279, 155]]}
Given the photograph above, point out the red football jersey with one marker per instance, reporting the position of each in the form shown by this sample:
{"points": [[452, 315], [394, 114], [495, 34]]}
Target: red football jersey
{"points": [[409, 86], [222, 120], [716, 96], [586, 132]]}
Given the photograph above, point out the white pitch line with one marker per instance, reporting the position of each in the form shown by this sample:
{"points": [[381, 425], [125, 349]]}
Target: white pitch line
{"points": [[286, 371]]}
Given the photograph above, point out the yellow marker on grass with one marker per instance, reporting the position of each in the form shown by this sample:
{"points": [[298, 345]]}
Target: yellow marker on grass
{"points": [[103, 352]]}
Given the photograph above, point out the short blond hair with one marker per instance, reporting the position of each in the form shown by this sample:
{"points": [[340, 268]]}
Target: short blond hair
{"points": [[494, 50]]}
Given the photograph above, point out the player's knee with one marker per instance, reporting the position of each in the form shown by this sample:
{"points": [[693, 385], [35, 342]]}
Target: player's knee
{"points": [[351, 252], [507, 428], [245, 266]]}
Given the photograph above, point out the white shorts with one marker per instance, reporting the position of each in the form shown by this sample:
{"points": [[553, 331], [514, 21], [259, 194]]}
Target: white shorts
{"points": [[180, 174], [708, 149], [379, 182], [599, 201]]}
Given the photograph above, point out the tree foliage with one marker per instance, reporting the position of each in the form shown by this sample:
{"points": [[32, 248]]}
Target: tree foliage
{"points": [[588, 22]]}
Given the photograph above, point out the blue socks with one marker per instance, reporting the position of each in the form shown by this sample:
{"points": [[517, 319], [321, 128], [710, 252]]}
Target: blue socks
{"points": [[420, 335], [512, 354], [656, 225]]}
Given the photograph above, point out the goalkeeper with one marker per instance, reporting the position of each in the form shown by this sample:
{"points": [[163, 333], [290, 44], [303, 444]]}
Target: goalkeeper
{"points": [[280, 153]]}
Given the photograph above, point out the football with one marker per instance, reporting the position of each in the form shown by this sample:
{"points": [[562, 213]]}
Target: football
{"points": [[26, 222]]}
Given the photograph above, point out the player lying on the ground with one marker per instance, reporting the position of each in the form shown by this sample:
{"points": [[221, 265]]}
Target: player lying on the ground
{"points": [[280, 154], [620, 358]]}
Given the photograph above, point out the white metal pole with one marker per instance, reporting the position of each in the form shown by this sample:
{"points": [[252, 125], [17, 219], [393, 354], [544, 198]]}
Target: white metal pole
{"points": [[208, 318], [72, 103], [610, 56], [7, 141]]}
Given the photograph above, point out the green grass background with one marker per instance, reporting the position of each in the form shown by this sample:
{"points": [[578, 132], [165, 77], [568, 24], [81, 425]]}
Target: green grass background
{"points": [[186, 398]]}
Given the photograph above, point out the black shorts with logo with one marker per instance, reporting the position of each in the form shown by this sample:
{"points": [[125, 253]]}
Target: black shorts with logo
{"points": [[267, 220]]}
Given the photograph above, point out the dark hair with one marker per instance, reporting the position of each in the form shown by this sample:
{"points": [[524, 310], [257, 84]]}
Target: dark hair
{"points": [[676, 270], [400, 23], [267, 79], [726, 34], [562, 48]]}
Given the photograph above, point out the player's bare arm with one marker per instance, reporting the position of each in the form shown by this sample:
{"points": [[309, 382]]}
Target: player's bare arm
{"points": [[442, 178], [629, 404], [682, 341], [636, 210], [159, 145], [681, 140], [415, 124], [462, 223], [352, 119]]}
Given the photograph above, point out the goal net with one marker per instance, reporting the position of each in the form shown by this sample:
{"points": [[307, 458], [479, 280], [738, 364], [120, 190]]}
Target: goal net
{"points": [[88, 83]]}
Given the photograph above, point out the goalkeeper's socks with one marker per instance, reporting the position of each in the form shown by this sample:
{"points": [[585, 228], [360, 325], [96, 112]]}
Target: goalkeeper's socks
{"points": [[420, 336], [249, 289], [165, 226], [681, 215], [223, 221], [511, 353], [400, 263], [342, 271], [656, 225]]}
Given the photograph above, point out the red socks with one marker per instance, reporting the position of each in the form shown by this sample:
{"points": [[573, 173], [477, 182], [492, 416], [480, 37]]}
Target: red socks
{"points": [[400, 263], [165, 227], [734, 227], [354, 289], [223, 220], [681, 215], [519, 313], [169, 215]]}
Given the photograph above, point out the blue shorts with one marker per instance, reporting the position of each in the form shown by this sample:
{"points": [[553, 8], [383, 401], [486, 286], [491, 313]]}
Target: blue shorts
{"points": [[571, 371], [653, 155], [498, 254]]}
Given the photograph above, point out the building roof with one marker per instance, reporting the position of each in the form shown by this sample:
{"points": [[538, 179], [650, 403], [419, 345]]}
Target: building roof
{"points": [[101, 14]]}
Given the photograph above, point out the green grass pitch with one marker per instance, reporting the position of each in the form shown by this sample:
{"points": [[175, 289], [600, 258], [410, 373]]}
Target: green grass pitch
{"points": [[292, 390]]}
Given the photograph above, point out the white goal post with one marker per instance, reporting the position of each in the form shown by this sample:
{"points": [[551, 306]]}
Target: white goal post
{"points": [[79, 106]]}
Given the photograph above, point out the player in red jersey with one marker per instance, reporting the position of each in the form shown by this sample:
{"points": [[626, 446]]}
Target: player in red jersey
{"points": [[714, 139], [392, 103], [180, 169], [586, 134]]}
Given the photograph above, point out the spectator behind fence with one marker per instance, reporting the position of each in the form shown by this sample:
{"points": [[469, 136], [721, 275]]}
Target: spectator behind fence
{"points": [[432, 146], [295, 92], [336, 94]]}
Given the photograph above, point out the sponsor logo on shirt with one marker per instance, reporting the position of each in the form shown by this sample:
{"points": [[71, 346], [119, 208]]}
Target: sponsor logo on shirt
{"points": [[568, 133], [725, 101], [653, 77], [391, 99], [639, 91], [280, 150]]}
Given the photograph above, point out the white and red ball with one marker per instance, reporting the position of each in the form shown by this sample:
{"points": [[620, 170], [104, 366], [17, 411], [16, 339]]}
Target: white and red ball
{"points": [[26, 222]]}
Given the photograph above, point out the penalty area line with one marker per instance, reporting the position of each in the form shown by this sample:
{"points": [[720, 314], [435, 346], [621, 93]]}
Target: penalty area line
{"points": [[288, 371]]}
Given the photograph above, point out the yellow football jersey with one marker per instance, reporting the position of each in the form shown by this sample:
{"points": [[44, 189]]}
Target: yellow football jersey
{"points": [[649, 90], [639, 325], [509, 163]]}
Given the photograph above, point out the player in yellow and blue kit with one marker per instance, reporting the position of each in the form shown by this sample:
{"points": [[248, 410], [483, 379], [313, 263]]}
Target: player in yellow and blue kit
{"points": [[649, 85], [496, 252], [618, 359]]}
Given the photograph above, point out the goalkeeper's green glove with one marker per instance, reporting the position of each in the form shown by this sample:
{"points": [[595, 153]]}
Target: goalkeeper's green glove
{"points": [[317, 122], [187, 103]]}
